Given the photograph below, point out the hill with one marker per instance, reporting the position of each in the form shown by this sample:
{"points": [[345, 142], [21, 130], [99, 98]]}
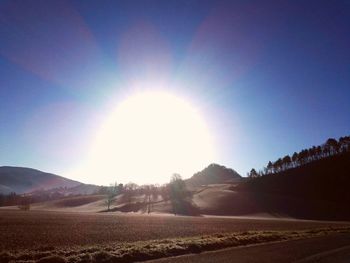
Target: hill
{"points": [[23, 180], [214, 174], [326, 179], [324, 182]]}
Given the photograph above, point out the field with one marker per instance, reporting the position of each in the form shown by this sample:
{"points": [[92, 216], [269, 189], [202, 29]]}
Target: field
{"points": [[22, 232]]}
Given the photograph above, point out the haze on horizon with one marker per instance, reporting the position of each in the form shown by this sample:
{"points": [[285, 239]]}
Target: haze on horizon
{"points": [[244, 83]]}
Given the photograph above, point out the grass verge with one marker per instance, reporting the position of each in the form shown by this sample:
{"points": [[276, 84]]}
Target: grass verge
{"points": [[153, 249]]}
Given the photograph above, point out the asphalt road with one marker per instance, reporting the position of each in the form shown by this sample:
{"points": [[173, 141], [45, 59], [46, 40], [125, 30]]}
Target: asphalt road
{"points": [[326, 249]]}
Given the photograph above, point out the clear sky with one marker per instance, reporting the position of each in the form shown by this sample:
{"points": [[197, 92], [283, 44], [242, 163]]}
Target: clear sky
{"points": [[269, 77]]}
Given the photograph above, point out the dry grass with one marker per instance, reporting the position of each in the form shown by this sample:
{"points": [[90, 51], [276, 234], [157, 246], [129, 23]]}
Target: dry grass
{"points": [[152, 249]]}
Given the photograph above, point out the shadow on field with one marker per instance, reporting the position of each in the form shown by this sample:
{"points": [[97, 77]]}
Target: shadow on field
{"points": [[182, 207]]}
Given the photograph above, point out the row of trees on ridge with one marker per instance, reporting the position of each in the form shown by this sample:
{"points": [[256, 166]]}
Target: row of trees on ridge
{"points": [[329, 148]]}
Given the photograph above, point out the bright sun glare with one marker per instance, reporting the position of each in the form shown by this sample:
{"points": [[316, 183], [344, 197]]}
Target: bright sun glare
{"points": [[150, 136]]}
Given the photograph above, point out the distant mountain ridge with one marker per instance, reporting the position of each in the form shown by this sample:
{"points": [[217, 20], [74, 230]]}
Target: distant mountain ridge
{"points": [[214, 174], [24, 180]]}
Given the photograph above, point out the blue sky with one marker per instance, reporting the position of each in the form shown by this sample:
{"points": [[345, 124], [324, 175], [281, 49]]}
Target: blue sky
{"points": [[270, 77]]}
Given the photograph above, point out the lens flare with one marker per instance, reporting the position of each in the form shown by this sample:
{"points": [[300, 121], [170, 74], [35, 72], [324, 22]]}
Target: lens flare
{"points": [[149, 136]]}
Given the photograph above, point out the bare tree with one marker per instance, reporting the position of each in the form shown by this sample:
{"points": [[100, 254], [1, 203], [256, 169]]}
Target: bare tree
{"points": [[111, 193], [25, 203]]}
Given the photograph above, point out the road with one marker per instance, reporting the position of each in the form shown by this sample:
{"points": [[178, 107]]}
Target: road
{"points": [[326, 249]]}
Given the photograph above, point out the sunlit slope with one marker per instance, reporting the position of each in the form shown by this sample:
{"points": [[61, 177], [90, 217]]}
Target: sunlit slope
{"points": [[97, 203], [214, 174], [87, 203]]}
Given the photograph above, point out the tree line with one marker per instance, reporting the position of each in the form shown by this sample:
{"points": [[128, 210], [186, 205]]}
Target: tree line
{"points": [[330, 148], [12, 199], [175, 192]]}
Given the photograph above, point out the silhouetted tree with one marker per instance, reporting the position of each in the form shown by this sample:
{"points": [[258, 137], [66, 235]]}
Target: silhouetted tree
{"points": [[332, 146], [344, 143], [111, 193], [147, 191], [269, 167], [253, 173], [286, 161], [165, 192], [129, 191], [319, 152], [177, 192], [278, 165], [295, 159], [25, 202]]}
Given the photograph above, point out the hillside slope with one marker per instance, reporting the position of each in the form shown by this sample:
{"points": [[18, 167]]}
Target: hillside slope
{"points": [[326, 179], [317, 190], [23, 180]]}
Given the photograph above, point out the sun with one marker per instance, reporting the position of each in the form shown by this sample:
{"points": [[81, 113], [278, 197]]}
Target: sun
{"points": [[149, 136]]}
